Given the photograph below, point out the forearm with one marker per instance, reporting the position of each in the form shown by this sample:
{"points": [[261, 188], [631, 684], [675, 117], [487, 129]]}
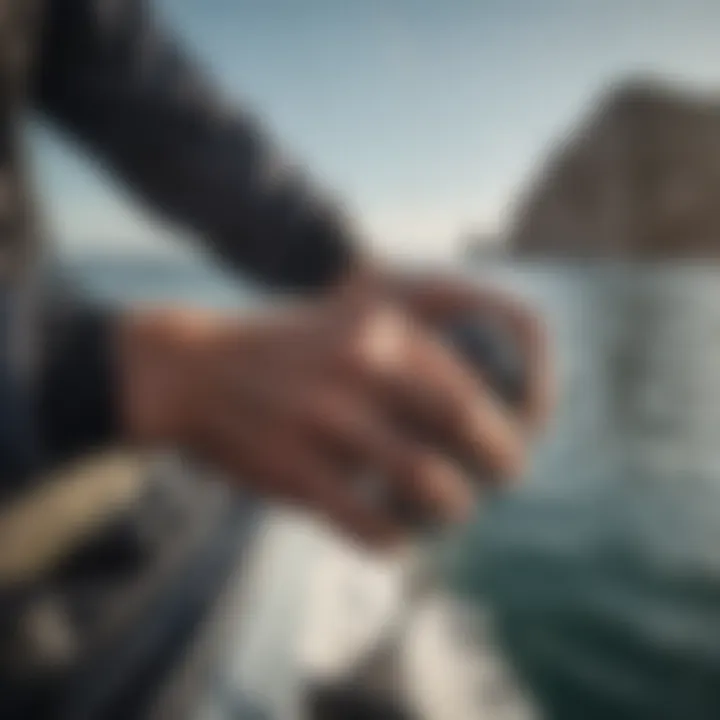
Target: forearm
{"points": [[114, 80]]}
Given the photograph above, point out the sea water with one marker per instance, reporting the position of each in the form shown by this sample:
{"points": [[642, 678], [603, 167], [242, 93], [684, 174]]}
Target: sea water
{"points": [[602, 571]]}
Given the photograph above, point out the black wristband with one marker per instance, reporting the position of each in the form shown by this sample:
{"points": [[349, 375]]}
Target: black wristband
{"points": [[78, 403]]}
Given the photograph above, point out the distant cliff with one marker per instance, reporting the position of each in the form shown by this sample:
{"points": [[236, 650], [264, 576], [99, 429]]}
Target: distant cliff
{"points": [[640, 177]]}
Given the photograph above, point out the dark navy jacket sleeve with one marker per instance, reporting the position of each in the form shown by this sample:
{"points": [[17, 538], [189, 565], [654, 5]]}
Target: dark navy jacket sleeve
{"points": [[114, 80], [77, 404]]}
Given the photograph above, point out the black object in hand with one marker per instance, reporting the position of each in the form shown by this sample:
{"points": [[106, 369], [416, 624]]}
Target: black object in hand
{"points": [[490, 350]]}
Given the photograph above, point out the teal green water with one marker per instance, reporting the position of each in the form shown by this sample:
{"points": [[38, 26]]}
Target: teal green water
{"points": [[603, 570]]}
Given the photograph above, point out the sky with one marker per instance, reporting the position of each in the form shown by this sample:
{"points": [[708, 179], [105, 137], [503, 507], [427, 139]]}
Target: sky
{"points": [[425, 117]]}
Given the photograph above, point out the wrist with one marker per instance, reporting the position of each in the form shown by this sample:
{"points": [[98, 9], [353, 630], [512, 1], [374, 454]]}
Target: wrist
{"points": [[78, 400], [158, 353], [365, 278]]}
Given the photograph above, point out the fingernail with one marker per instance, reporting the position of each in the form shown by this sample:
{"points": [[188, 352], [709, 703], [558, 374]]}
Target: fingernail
{"points": [[499, 446], [457, 495]]}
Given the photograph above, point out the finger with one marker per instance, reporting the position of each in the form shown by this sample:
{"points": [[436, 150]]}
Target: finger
{"points": [[276, 462], [425, 486], [411, 472], [416, 377], [304, 475], [333, 497], [467, 423], [438, 301], [530, 334]]}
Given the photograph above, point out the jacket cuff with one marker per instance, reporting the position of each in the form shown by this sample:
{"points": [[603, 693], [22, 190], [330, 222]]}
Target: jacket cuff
{"points": [[315, 260], [78, 390]]}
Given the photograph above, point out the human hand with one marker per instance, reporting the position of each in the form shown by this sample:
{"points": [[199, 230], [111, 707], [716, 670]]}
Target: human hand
{"points": [[295, 403], [438, 301]]}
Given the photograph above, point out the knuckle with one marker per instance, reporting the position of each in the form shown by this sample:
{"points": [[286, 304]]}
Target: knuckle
{"points": [[417, 466], [495, 439], [439, 487], [319, 412], [462, 418], [423, 469], [511, 458], [379, 343]]}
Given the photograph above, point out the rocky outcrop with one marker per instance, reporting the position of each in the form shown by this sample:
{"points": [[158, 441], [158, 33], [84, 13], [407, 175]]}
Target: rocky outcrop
{"points": [[640, 177]]}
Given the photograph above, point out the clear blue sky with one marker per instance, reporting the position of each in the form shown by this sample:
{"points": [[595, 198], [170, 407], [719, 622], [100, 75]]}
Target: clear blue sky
{"points": [[425, 115]]}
